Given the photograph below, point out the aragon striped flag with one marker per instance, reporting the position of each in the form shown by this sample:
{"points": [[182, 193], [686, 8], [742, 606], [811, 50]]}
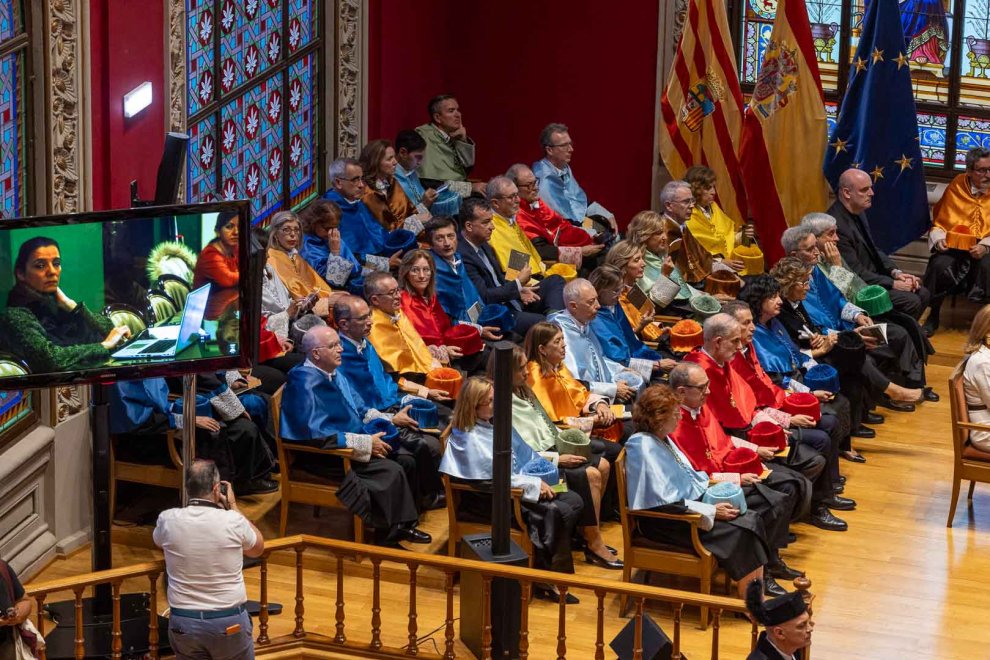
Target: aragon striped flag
{"points": [[702, 107], [785, 131]]}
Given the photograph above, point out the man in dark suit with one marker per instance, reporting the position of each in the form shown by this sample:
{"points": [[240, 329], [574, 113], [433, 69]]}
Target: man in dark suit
{"points": [[853, 198], [530, 304]]}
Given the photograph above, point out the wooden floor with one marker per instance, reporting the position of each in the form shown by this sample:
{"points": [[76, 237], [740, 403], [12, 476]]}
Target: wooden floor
{"points": [[898, 584]]}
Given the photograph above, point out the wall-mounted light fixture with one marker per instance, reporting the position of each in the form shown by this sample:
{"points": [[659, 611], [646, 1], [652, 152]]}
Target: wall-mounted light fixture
{"points": [[137, 99]]}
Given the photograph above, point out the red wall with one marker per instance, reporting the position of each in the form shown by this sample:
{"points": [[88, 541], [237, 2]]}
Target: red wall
{"points": [[517, 65], [127, 46]]}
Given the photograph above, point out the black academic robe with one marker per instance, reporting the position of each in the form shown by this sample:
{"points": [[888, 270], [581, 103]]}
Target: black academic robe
{"points": [[765, 651]]}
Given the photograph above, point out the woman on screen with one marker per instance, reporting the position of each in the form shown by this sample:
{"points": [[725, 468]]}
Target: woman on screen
{"points": [[45, 327], [217, 263]]}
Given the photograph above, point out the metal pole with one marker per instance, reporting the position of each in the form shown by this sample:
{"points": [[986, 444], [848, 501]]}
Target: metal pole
{"points": [[502, 451], [188, 427], [102, 556]]}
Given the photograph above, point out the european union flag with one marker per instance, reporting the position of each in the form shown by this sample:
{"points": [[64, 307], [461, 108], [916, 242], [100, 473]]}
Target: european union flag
{"points": [[877, 131]]}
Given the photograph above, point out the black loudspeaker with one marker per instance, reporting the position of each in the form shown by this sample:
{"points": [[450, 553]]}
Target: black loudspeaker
{"points": [[656, 644], [505, 599], [170, 168]]}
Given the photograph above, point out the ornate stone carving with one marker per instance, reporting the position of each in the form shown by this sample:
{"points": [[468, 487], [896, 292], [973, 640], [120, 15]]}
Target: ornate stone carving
{"points": [[63, 88], [680, 16], [349, 78], [66, 402], [177, 74]]}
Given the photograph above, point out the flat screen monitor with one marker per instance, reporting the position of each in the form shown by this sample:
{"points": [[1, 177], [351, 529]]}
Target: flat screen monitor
{"points": [[118, 295]]}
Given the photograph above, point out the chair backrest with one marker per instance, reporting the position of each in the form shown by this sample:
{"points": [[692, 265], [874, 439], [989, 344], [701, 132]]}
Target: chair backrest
{"points": [[958, 410], [175, 287], [620, 483], [11, 365], [275, 407], [161, 305], [125, 315]]}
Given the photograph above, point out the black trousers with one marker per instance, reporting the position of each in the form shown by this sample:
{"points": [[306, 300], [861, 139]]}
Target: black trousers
{"points": [[954, 271]]}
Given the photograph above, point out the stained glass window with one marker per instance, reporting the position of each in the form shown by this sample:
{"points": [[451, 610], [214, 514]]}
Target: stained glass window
{"points": [[254, 128], [951, 79]]}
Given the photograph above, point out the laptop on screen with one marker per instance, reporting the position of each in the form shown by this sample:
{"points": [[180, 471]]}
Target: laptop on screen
{"points": [[157, 345]]}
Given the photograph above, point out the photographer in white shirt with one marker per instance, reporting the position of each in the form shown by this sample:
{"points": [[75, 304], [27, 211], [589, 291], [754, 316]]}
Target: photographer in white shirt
{"points": [[205, 544]]}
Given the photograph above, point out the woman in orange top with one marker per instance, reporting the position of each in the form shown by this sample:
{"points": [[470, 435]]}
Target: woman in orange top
{"points": [[383, 195], [217, 263], [628, 258], [560, 394]]}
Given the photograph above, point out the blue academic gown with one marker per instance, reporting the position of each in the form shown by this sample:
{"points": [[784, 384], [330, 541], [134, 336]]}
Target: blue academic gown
{"points": [[586, 360], [566, 198], [447, 203], [316, 252], [658, 473], [469, 456], [132, 402], [825, 302], [455, 290], [358, 228], [379, 391], [617, 339], [315, 407]]}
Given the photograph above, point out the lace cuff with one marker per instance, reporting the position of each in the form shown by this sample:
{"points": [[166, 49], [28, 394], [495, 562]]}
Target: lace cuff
{"points": [[462, 188], [530, 486], [376, 414], [338, 270], [797, 386], [361, 444], [413, 224], [232, 377], [592, 403], [778, 417], [850, 312], [227, 405], [279, 324], [375, 262], [570, 255], [707, 512], [604, 389], [739, 442], [440, 354], [175, 421]]}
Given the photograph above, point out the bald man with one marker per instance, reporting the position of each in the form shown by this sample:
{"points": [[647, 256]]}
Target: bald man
{"points": [[853, 198]]}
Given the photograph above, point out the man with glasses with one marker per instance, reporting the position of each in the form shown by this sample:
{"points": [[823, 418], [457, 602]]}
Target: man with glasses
{"points": [[554, 238], [398, 344], [448, 156], [853, 198], [559, 187], [322, 409], [693, 261], [964, 207], [358, 227], [778, 499]]}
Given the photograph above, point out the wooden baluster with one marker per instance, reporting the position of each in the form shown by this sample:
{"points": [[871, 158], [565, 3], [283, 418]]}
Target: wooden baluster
{"points": [[677, 632], [717, 622], [115, 644], [413, 648], [40, 625], [486, 618], [340, 637], [153, 616], [376, 606], [600, 635], [527, 588], [638, 635], [80, 649], [263, 612], [562, 624], [754, 636], [299, 631], [803, 584], [448, 645]]}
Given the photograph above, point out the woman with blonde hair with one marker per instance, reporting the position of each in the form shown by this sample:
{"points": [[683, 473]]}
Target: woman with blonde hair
{"points": [[975, 370], [719, 234], [628, 258], [648, 231], [549, 516]]}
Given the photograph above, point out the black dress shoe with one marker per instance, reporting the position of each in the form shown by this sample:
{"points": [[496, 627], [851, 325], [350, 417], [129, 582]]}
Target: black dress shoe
{"points": [[842, 479], [595, 560], [435, 501], [413, 535], [854, 458], [791, 537], [864, 432], [551, 593], [771, 588], [779, 569], [873, 418], [258, 487], [929, 327], [839, 489], [930, 395], [899, 406], [823, 519], [839, 503]]}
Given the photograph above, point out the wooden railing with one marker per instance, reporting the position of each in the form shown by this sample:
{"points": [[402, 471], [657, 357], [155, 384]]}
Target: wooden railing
{"points": [[450, 566]]}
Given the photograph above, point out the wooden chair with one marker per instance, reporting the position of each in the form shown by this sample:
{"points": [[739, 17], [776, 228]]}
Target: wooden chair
{"points": [[123, 314], [457, 528], [165, 476], [970, 462], [175, 288], [639, 552], [161, 306], [311, 489]]}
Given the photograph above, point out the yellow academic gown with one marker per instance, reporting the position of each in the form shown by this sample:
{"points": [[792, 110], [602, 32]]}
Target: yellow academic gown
{"points": [[717, 235], [959, 207], [561, 395], [297, 275], [650, 332], [510, 236], [397, 343]]}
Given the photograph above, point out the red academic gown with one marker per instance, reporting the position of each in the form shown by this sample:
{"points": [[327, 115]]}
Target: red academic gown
{"points": [[543, 222], [429, 319], [768, 393], [269, 347], [702, 440], [730, 399]]}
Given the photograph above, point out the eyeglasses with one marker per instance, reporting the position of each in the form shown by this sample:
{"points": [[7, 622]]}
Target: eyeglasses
{"points": [[290, 231], [535, 183], [391, 292], [563, 145], [688, 201], [702, 387], [513, 196], [421, 270], [353, 179], [982, 171], [331, 346]]}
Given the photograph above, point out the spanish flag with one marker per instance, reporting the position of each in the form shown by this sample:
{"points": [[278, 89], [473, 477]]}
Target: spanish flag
{"points": [[702, 107], [785, 131]]}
